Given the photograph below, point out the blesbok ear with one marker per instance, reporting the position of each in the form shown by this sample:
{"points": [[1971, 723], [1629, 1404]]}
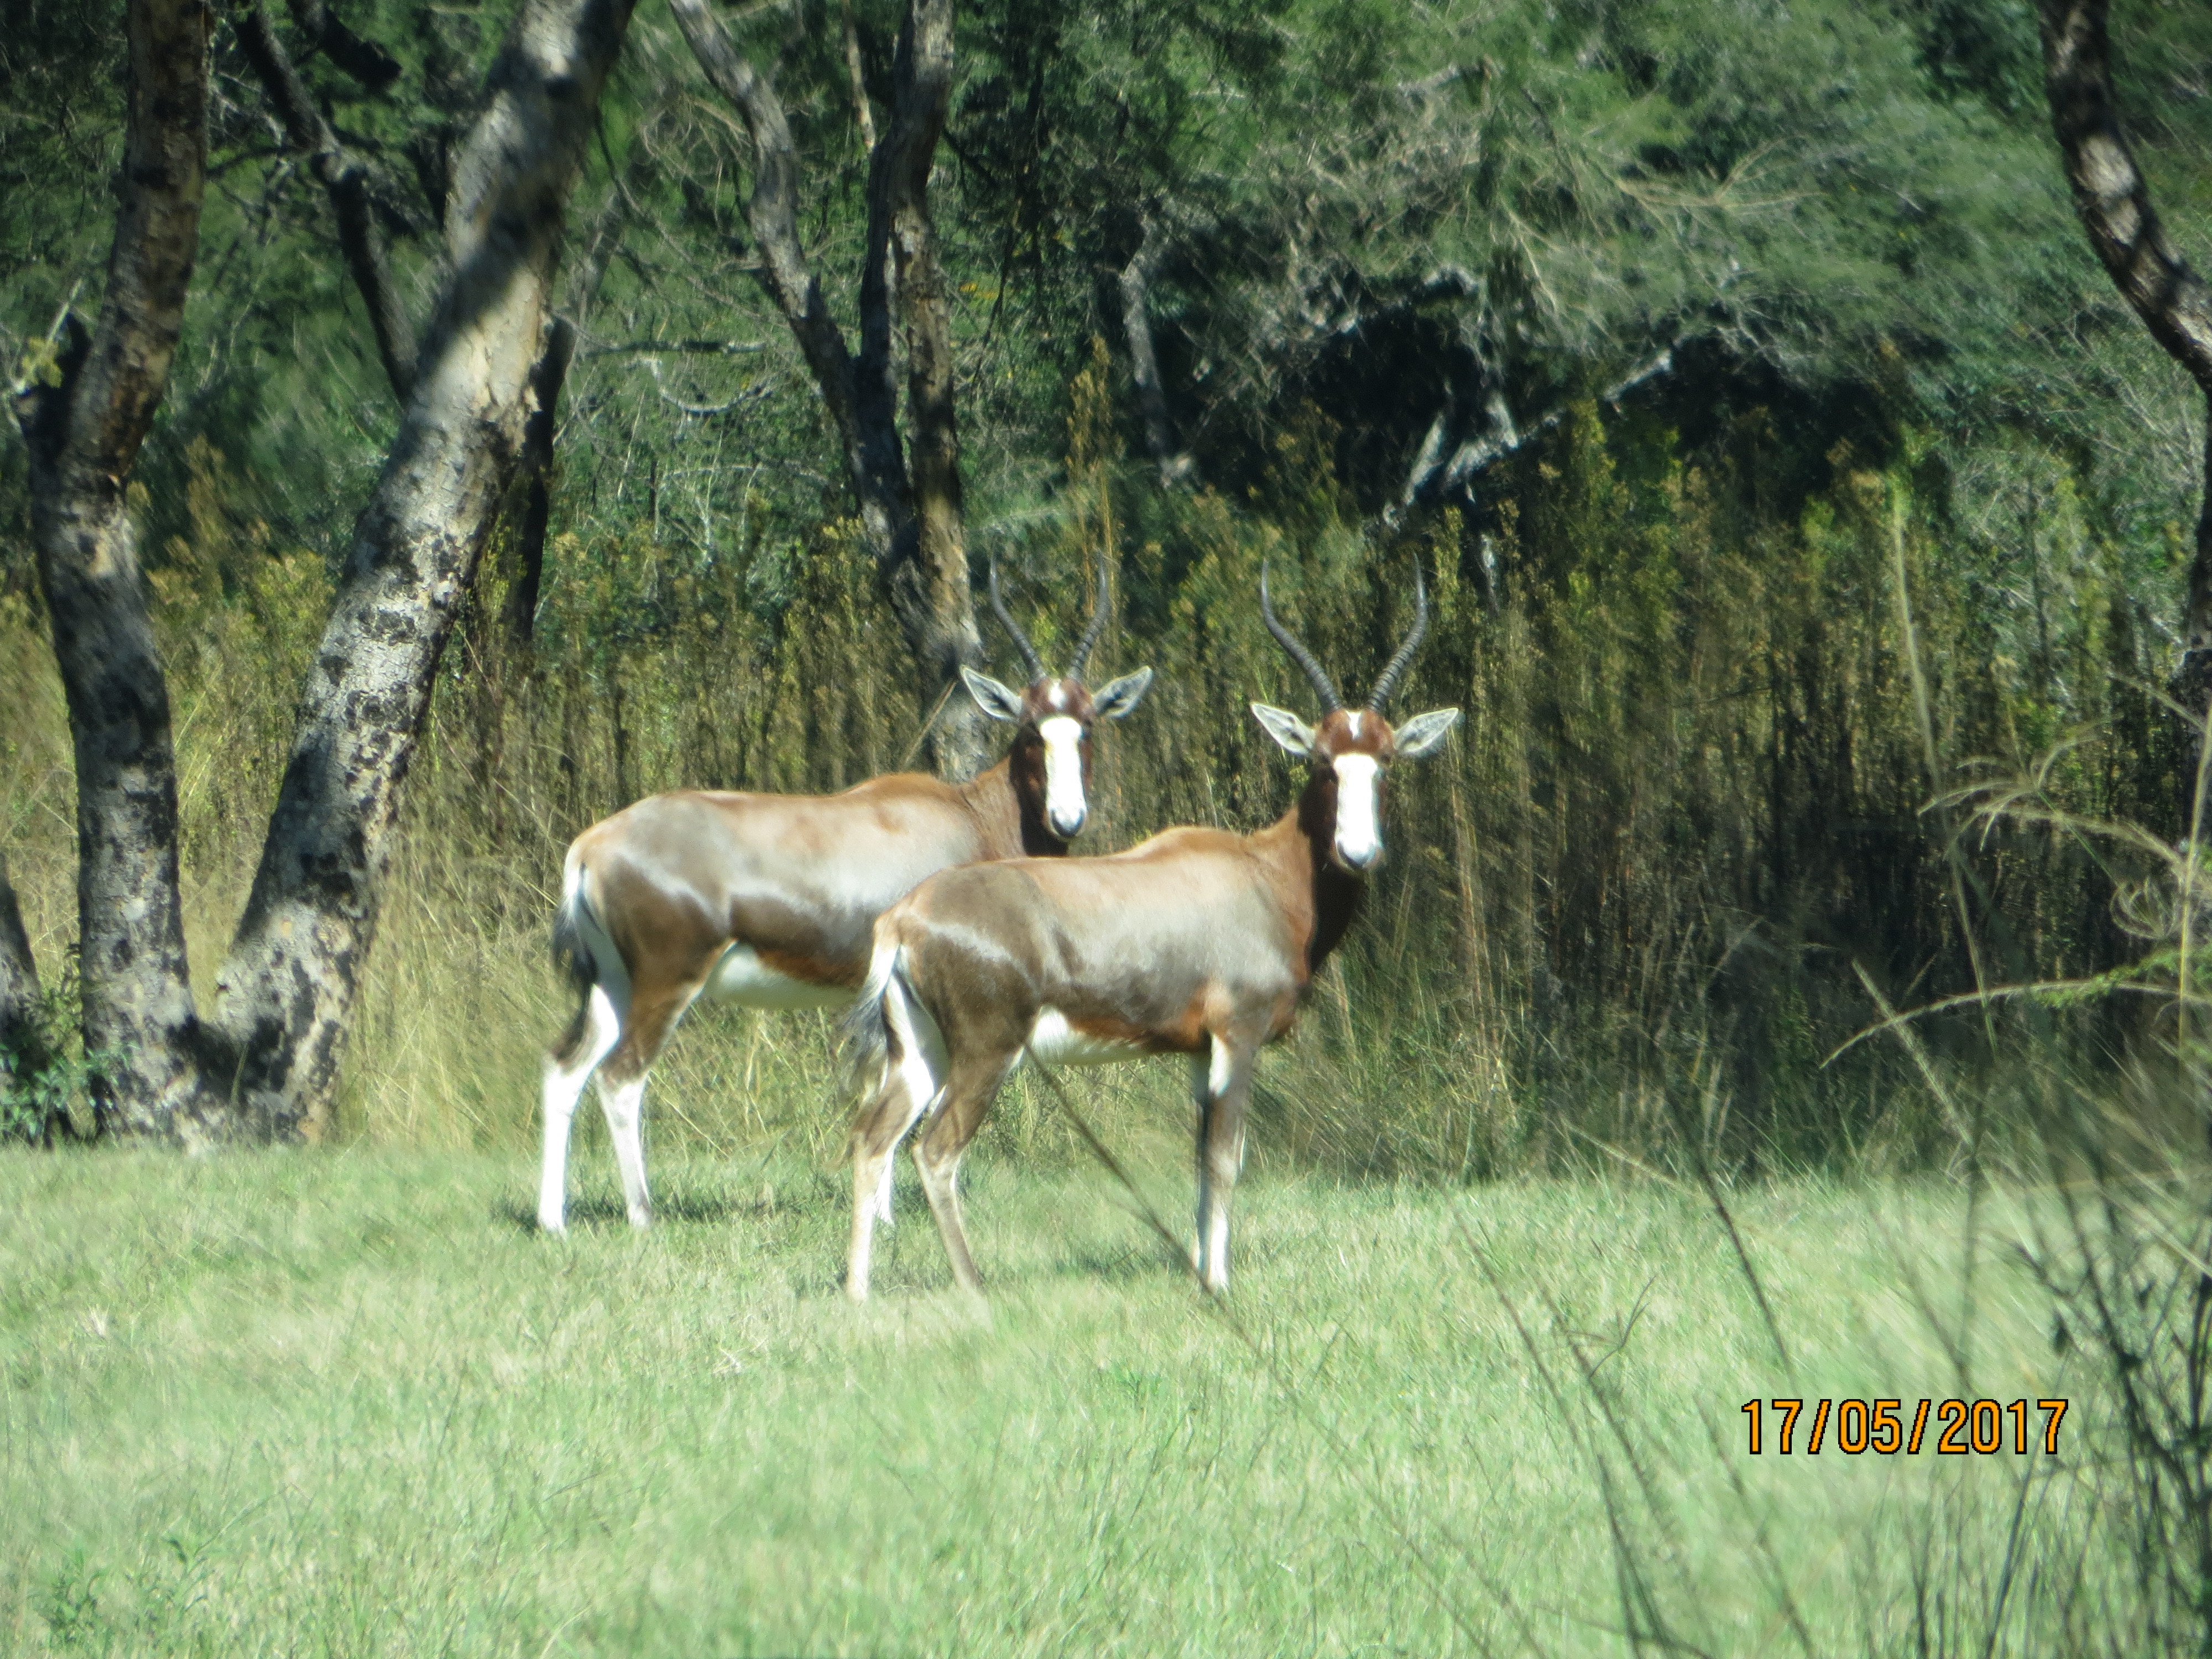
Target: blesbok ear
{"points": [[1000, 702], [1284, 727], [1424, 733], [1117, 698]]}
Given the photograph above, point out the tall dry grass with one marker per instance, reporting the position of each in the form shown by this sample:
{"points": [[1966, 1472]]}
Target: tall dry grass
{"points": [[1640, 900]]}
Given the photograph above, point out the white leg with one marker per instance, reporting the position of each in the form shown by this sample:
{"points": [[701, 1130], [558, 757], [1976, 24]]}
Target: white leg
{"points": [[871, 1177], [625, 1105], [911, 1089], [1220, 1158], [565, 1086]]}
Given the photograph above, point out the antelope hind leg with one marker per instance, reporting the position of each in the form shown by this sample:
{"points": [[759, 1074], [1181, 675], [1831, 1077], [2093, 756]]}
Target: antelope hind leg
{"points": [[567, 1071]]}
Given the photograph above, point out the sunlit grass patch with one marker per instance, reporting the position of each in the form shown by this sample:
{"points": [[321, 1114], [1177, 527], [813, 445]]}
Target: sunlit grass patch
{"points": [[350, 1402]]}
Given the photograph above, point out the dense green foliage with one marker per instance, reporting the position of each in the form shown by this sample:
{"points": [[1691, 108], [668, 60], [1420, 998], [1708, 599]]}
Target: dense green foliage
{"points": [[1901, 514]]}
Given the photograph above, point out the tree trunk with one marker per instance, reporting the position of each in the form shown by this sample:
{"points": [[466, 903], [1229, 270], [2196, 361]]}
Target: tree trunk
{"points": [[22, 1032], [545, 381], [939, 608], [84, 416], [773, 214], [914, 526], [1174, 463], [2115, 206], [295, 964]]}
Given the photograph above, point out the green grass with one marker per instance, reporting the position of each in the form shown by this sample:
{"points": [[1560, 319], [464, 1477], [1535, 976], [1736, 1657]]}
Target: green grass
{"points": [[346, 1402]]}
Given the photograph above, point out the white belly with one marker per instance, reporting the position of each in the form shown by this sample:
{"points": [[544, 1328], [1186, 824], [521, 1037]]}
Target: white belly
{"points": [[742, 976], [1055, 1042]]}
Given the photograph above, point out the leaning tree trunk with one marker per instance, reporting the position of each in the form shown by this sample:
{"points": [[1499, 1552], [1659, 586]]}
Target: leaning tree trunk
{"points": [[929, 587], [2115, 206], [84, 414], [913, 526], [295, 964]]}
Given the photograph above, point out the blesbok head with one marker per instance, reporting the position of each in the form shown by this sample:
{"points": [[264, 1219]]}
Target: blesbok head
{"points": [[1054, 717], [1354, 746]]}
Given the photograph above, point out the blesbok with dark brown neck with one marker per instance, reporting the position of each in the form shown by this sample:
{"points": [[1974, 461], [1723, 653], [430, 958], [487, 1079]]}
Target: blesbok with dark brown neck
{"points": [[1197, 942], [769, 901]]}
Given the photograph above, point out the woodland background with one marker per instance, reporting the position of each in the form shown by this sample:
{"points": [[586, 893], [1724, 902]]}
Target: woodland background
{"points": [[1784, 464]]}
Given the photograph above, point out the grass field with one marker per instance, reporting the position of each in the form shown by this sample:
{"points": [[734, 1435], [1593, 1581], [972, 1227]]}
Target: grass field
{"points": [[341, 1403]]}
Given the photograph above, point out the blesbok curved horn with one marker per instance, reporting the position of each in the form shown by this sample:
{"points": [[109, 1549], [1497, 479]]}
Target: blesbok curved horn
{"points": [[1386, 681], [1021, 640], [1330, 702], [1097, 626]]}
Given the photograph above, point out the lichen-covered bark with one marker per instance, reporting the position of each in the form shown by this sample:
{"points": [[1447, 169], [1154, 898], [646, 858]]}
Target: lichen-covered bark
{"points": [[295, 964], [2115, 206], [84, 415]]}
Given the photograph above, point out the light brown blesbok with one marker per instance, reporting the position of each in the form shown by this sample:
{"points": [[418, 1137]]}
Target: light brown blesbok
{"points": [[1197, 942], [769, 901]]}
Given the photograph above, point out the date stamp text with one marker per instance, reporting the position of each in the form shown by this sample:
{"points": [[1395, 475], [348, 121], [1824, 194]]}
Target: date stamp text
{"points": [[1950, 1428]]}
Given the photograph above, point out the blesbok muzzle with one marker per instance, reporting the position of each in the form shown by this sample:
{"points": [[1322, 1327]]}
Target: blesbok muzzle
{"points": [[1061, 711], [1066, 804], [1355, 745]]}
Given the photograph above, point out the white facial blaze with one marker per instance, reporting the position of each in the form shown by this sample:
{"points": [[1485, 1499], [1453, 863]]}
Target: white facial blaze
{"points": [[1063, 772], [1359, 836]]}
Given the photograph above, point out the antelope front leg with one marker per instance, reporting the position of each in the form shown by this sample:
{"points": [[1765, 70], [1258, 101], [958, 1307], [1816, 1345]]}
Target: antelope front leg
{"points": [[1226, 1091]]}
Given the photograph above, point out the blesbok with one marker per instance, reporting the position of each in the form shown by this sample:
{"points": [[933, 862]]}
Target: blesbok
{"points": [[769, 901], [1197, 942]]}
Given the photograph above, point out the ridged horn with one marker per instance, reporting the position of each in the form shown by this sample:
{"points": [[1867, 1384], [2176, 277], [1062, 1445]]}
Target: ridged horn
{"points": [[1097, 626], [1330, 702], [1012, 628], [1386, 681]]}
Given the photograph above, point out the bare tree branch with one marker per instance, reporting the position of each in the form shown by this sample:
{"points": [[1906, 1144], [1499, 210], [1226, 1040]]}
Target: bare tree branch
{"points": [[862, 112], [84, 410], [345, 181], [773, 214], [914, 522], [1433, 478], [367, 62], [930, 587]]}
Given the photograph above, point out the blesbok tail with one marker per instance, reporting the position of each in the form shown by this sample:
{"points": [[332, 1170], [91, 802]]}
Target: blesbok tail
{"points": [[889, 1036], [572, 954], [865, 1034]]}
